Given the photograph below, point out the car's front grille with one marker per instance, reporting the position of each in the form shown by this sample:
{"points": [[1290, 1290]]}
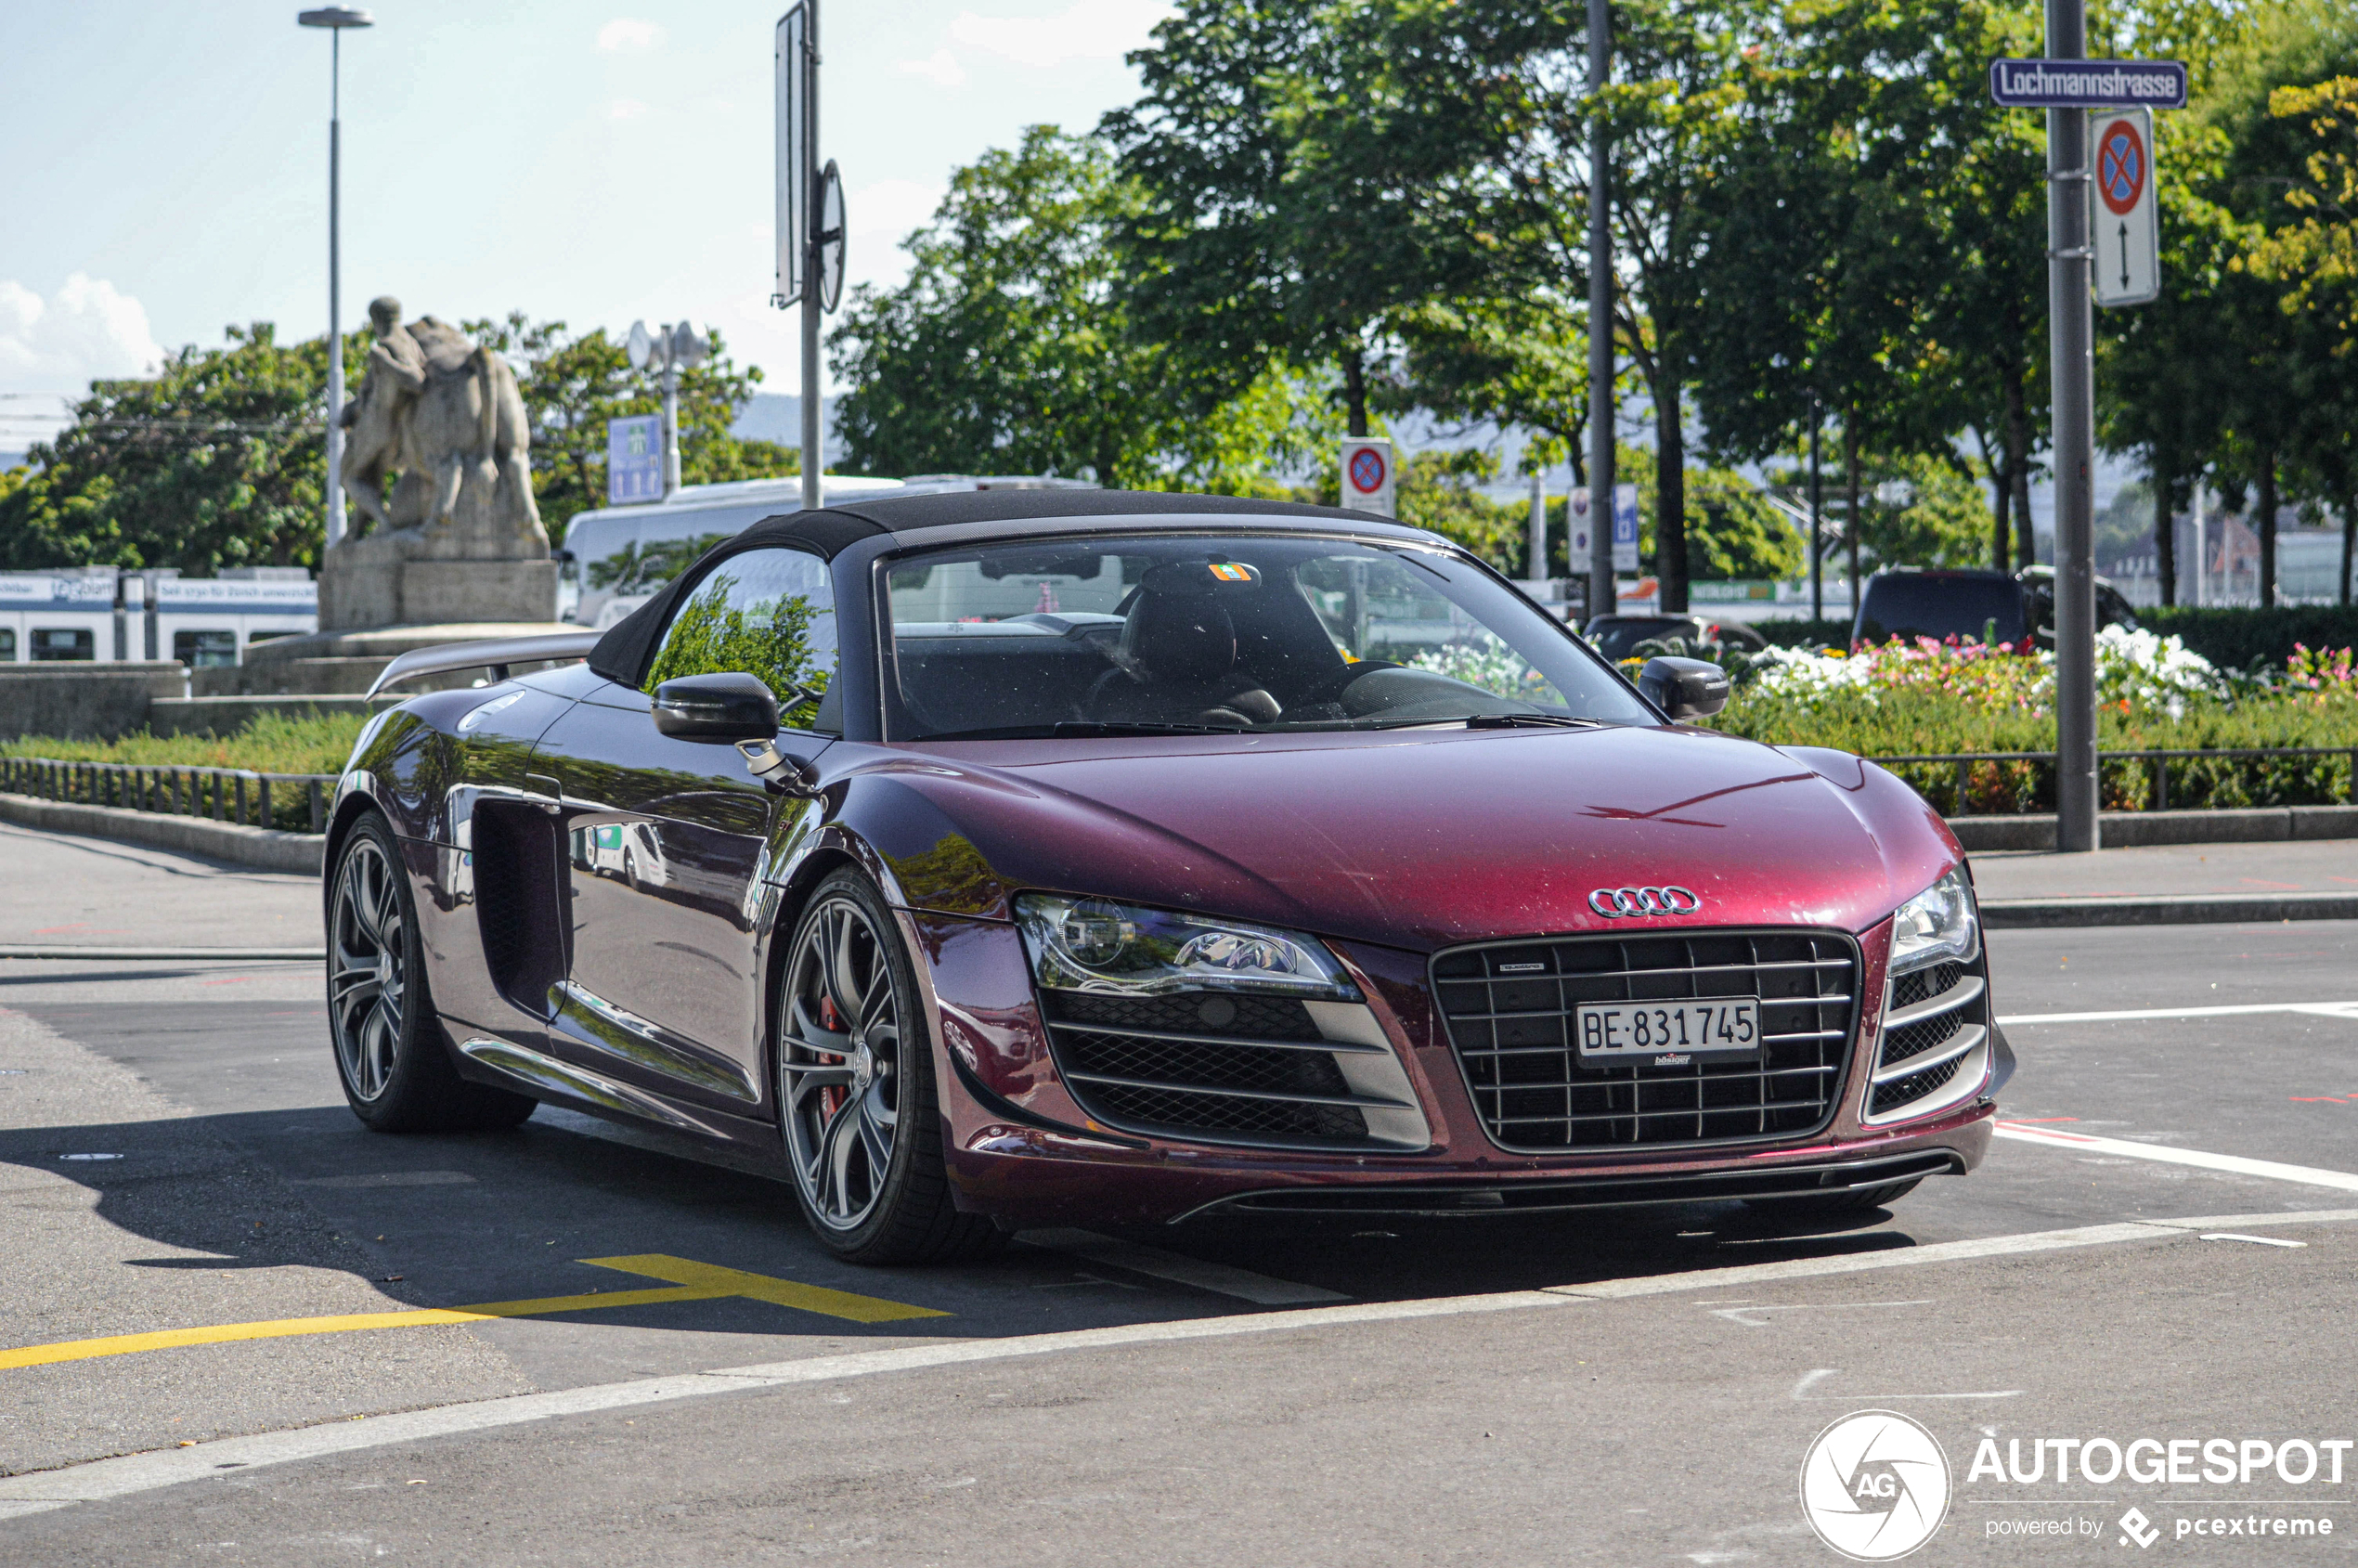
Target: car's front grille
{"points": [[1509, 1008], [1935, 1028], [1223, 1068]]}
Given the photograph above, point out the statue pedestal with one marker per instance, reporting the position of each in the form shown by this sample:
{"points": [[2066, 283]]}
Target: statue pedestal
{"points": [[378, 581]]}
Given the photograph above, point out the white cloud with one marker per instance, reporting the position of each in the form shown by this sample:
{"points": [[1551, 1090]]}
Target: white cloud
{"points": [[940, 68], [625, 109], [87, 329], [1089, 30], [623, 33]]}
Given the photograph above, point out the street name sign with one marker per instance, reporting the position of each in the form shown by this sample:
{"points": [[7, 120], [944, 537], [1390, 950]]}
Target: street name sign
{"points": [[634, 459], [2088, 83], [2124, 231], [1366, 474]]}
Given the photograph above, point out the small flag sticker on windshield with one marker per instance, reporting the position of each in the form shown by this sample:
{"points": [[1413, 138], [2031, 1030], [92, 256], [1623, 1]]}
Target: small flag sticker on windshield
{"points": [[1231, 571]]}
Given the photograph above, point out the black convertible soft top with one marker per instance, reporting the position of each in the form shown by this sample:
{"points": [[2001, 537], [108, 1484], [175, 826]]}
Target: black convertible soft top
{"points": [[623, 653]]}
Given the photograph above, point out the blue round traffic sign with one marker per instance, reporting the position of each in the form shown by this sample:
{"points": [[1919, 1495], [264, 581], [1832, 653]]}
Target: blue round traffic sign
{"points": [[2121, 167], [1367, 471]]}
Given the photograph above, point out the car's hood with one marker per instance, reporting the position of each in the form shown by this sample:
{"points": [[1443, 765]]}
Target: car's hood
{"points": [[1422, 839]]}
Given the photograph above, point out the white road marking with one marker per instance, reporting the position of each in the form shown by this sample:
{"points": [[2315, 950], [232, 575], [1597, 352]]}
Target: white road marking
{"points": [[132, 1473], [1811, 1380], [1750, 1316], [2052, 1137], [2322, 1009], [1221, 1279], [2262, 1240]]}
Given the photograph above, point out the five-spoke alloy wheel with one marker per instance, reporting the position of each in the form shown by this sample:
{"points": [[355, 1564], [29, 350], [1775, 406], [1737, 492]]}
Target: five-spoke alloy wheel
{"points": [[397, 1072], [855, 1094]]}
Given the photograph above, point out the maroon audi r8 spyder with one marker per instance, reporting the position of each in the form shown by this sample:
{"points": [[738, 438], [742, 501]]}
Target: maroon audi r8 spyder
{"points": [[1007, 859]]}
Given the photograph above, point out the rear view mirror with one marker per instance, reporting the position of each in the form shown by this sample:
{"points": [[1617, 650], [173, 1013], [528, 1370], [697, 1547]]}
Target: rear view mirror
{"points": [[1684, 688], [716, 707]]}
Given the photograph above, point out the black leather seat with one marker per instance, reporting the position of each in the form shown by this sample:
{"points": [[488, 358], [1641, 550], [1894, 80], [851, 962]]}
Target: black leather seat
{"points": [[1177, 661]]}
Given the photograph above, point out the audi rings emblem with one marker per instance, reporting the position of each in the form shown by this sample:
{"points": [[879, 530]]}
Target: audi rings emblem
{"points": [[1623, 903]]}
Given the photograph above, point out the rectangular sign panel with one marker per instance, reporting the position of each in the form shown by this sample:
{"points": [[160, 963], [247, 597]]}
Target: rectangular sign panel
{"points": [[2088, 83], [1581, 529], [1366, 474], [793, 65], [1624, 527], [634, 459], [2124, 230]]}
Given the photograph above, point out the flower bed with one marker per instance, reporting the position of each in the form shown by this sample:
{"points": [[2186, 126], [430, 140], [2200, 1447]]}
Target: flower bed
{"points": [[1916, 697]]}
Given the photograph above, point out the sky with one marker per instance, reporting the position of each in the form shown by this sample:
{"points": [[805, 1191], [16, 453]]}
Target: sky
{"points": [[164, 166]]}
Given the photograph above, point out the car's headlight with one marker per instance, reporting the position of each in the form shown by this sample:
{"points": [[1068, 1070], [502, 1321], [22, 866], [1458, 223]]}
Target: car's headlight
{"points": [[1092, 944], [1936, 926]]}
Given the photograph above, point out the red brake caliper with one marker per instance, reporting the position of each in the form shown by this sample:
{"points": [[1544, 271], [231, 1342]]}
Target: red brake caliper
{"points": [[831, 1100]]}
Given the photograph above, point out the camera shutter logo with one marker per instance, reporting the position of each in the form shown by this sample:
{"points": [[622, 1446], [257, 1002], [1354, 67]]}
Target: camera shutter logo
{"points": [[1874, 1485], [1624, 903]]}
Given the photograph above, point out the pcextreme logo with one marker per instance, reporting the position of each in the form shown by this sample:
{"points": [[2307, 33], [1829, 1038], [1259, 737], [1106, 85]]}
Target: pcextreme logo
{"points": [[1874, 1485]]}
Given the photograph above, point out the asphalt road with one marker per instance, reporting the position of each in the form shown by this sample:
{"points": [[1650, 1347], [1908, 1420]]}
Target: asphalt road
{"points": [[1627, 1389]]}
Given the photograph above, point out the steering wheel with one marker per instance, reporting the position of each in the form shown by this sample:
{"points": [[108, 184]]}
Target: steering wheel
{"points": [[1328, 687]]}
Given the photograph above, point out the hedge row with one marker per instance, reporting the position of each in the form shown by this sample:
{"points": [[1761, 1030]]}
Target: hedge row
{"points": [[2235, 637]]}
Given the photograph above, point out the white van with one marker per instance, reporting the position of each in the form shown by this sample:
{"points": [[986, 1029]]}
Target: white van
{"points": [[616, 557]]}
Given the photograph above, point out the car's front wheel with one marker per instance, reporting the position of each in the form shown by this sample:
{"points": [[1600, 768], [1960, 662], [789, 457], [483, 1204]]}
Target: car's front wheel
{"points": [[396, 1073], [855, 1088]]}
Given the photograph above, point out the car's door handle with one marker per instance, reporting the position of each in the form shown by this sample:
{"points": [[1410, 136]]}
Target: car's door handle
{"points": [[549, 794]]}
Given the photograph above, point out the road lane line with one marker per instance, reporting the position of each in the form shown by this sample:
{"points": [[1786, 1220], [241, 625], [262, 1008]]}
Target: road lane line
{"points": [[2055, 1137], [1221, 1279], [1859, 1263], [101, 1479], [2319, 1010], [696, 1282]]}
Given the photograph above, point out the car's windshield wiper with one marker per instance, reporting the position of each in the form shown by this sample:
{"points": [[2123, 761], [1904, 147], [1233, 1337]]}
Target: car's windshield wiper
{"points": [[1520, 720]]}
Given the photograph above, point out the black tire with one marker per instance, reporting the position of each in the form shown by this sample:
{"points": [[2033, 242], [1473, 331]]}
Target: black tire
{"points": [[381, 1026], [856, 1101], [1855, 1202]]}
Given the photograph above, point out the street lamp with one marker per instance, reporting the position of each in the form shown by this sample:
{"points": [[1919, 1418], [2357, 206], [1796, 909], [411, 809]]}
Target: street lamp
{"points": [[335, 19], [674, 348]]}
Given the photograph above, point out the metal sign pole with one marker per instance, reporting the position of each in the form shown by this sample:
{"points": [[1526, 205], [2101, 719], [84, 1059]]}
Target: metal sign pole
{"points": [[1602, 600], [1817, 549], [335, 288], [2072, 325], [813, 495]]}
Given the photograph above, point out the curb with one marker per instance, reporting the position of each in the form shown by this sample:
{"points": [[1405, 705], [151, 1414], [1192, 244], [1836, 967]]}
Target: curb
{"points": [[265, 848], [2003, 914], [2132, 830], [174, 955]]}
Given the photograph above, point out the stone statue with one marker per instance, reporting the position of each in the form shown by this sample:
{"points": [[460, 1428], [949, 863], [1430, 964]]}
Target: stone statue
{"points": [[458, 543], [444, 414]]}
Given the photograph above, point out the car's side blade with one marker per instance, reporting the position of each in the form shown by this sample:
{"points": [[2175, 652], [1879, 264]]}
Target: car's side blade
{"points": [[496, 652]]}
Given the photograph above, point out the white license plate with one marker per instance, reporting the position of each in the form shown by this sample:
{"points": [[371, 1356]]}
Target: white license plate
{"points": [[1668, 1033]]}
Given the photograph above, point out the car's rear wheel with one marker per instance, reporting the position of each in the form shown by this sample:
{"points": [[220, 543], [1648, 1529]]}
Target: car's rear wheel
{"points": [[855, 1088], [396, 1073]]}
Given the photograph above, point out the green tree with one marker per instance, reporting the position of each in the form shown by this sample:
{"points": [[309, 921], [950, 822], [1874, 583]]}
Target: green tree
{"points": [[1010, 347], [218, 460], [1288, 167]]}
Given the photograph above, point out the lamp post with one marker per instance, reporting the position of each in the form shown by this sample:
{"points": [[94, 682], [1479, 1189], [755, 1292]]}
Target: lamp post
{"points": [[1601, 592], [335, 19]]}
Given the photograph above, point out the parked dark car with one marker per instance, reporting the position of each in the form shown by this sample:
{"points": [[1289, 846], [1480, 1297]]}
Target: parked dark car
{"points": [[1004, 860], [1975, 604], [1616, 636]]}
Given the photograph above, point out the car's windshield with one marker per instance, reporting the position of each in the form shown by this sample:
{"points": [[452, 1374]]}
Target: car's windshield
{"points": [[1184, 633], [1910, 604]]}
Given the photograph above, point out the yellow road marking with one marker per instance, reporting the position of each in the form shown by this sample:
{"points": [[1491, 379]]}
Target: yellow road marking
{"points": [[710, 1279], [693, 1282]]}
